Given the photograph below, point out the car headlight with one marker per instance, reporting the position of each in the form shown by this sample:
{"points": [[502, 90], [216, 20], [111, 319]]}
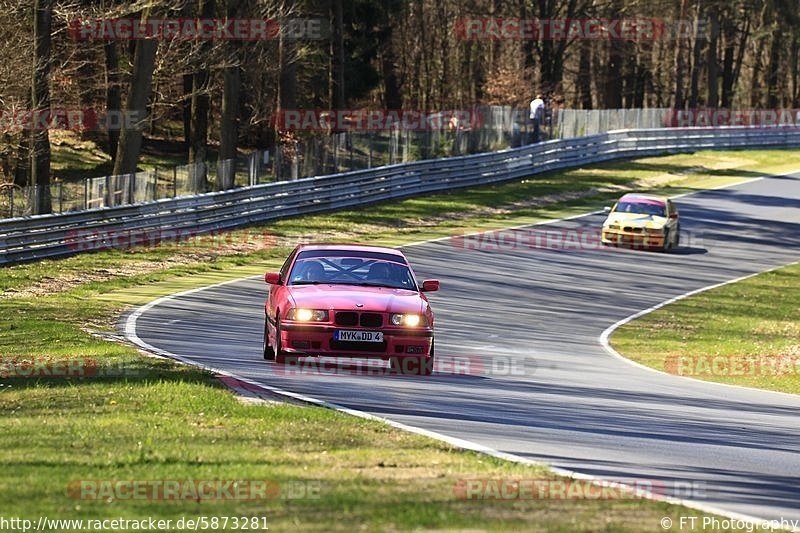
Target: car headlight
{"points": [[654, 231], [307, 315], [409, 320]]}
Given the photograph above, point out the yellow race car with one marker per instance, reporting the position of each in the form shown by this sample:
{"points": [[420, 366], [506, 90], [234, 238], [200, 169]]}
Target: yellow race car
{"points": [[642, 221]]}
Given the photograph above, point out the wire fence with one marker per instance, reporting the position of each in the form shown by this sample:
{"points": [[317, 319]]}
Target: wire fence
{"points": [[571, 123], [315, 154]]}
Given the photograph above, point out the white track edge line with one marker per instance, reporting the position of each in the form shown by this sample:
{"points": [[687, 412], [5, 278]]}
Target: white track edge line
{"points": [[605, 337], [130, 329], [130, 333]]}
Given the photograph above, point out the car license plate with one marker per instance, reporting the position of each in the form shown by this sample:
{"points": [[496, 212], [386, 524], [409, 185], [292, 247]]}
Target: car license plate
{"points": [[358, 335]]}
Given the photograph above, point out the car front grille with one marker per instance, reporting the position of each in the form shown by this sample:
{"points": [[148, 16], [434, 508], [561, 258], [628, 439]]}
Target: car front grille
{"points": [[371, 320], [351, 318], [346, 318], [631, 229]]}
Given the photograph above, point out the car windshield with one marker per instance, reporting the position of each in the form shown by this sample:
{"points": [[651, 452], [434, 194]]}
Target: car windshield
{"points": [[641, 208], [342, 270]]}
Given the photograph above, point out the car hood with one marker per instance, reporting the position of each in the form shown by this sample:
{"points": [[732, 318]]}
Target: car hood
{"points": [[636, 220], [346, 297]]}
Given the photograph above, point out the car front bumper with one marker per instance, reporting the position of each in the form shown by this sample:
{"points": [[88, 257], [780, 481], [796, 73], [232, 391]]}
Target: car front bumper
{"points": [[318, 339], [630, 238]]}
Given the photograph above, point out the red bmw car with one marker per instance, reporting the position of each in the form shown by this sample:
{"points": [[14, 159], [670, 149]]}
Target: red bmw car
{"points": [[349, 300]]}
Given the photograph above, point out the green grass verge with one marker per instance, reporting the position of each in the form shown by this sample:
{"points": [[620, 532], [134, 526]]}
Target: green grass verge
{"points": [[162, 421], [746, 333]]}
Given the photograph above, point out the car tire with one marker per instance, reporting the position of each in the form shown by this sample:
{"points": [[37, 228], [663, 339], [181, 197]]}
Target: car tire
{"points": [[269, 353], [667, 246], [426, 363]]}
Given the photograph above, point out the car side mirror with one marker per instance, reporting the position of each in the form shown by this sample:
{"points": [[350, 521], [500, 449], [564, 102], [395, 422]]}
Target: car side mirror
{"points": [[607, 209], [430, 285], [272, 278]]}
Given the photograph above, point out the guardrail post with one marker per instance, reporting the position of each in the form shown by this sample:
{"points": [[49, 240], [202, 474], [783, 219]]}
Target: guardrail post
{"points": [[174, 182], [109, 193]]}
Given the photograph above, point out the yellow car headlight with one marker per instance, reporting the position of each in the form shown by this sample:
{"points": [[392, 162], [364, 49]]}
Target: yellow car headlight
{"points": [[408, 320], [307, 315]]}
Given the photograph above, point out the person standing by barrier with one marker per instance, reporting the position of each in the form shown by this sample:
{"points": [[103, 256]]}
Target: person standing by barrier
{"points": [[536, 116]]}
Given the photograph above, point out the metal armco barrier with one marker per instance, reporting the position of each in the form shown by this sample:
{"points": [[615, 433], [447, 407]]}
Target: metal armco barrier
{"points": [[47, 236]]}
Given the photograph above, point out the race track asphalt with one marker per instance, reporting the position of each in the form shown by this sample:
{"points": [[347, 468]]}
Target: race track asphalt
{"points": [[520, 368]]}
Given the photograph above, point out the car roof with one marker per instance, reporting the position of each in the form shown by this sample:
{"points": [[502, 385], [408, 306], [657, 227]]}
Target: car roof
{"points": [[644, 198], [351, 248]]}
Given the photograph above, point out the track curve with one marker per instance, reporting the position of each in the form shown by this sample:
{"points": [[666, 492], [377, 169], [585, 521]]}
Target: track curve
{"points": [[565, 401]]}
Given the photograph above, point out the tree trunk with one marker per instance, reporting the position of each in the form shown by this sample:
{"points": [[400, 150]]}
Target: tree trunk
{"points": [[130, 140], [336, 80], [613, 87], [755, 82], [773, 94], [585, 75], [198, 135], [795, 51], [287, 84], [391, 86], [697, 60], [188, 81], [40, 103], [113, 96], [640, 84], [679, 61], [22, 169], [712, 96], [728, 54], [231, 90]]}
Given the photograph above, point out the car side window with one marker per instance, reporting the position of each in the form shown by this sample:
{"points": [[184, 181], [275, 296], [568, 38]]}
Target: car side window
{"points": [[286, 264]]}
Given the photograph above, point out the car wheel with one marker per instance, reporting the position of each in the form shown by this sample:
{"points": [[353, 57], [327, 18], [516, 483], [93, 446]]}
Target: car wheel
{"points": [[426, 363], [667, 246], [269, 353]]}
